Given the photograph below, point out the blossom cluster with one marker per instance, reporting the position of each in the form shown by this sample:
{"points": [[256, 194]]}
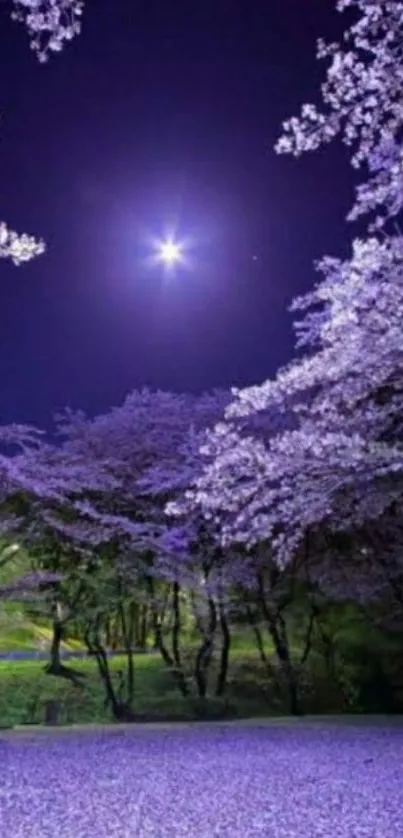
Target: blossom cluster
{"points": [[341, 465], [50, 23], [19, 247], [362, 102]]}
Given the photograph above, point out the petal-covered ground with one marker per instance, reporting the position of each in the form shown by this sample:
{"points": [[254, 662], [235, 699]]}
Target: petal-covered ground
{"points": [[283, 781]]}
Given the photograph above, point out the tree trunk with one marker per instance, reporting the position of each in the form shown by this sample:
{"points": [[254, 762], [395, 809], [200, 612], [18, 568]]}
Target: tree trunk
{"points": [[277, 629], [108, 634], [136, 626], [259, 642], [132, 623], [159, 643], [161, 615], [308, 639], [120, 710], [55, 663], [176, 628], [204, 654], [115, 635], [225, 650], [142, 637], [128, 644], [328, 652]]}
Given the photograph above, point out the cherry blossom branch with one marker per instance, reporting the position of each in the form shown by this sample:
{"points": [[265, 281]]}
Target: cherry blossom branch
{"points": [[50, 23], [19, 247]]}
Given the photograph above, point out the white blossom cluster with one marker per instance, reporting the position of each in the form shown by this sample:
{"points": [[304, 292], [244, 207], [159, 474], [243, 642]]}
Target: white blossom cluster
{"points": [[342, 465], [362, 95], [19, 247], [301, 478], [359, 338], [50, 23]]}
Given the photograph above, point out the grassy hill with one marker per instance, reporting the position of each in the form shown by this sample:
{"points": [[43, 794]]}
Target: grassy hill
{"points": [[18, 633]]}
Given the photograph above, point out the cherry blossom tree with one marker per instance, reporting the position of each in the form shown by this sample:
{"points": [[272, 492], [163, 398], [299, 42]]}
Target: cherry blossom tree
{"points": [[151, 446], [50, 24], [139, 455], [342, 464], [38, 481]]}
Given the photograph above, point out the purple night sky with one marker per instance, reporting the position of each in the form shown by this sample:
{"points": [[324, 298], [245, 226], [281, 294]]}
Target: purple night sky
{"points": [[161, 111]]}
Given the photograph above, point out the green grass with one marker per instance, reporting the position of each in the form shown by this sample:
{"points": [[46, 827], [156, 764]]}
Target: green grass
{"points": [[25, 688], [18, 633]]}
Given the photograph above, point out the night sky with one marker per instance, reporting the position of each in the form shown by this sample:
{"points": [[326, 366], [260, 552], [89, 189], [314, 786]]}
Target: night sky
{"points": [[161, 111]]}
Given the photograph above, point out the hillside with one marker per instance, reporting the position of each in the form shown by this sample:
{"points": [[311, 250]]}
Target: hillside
{"points": [[19, 633]]}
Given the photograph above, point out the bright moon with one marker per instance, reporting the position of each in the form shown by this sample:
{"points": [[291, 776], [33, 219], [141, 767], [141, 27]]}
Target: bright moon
{"points": [[169, 252]]}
